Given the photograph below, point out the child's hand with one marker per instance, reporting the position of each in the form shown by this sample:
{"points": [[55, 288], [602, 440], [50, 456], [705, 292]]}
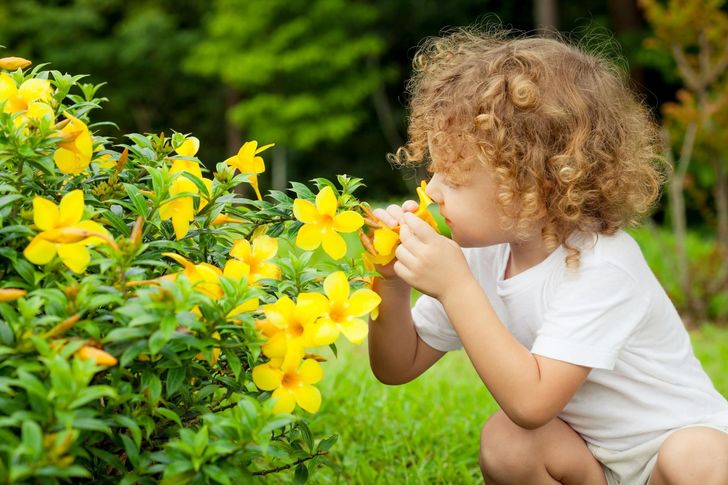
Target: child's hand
{"points": [[427, 260], [393, 216]]}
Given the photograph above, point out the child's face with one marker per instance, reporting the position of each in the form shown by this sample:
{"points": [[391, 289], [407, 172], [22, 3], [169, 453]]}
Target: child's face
{"points": [[470, 208]]}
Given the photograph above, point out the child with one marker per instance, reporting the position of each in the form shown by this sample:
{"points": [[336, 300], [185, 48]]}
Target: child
{"points": [[539, 157]]}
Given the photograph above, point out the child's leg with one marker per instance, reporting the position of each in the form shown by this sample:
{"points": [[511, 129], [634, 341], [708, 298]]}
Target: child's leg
{"points": [[554, 453], [692, 455]]}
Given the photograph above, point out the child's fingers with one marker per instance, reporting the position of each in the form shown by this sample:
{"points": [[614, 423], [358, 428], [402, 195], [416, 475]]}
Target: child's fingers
{"points": [[405, 256], [410, 206], [419, 228], [386, 217]]}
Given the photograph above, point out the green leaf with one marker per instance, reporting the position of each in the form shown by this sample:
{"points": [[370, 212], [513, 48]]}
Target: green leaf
{"points": [[171, 415], [131, 450], [201, 440], [32, 438], [92, 393], [300, 475], [140, 203], [132, 426], [175, 378], [326, 444]]}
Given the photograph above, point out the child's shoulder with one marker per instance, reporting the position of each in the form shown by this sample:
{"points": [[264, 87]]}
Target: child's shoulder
{"points": [[618, 250]]}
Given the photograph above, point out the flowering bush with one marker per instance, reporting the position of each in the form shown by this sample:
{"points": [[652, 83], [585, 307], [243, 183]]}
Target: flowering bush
{"points": [[155, 324]]}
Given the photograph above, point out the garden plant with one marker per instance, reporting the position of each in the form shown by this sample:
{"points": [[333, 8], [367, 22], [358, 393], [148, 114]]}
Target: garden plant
{"points": [[155, 324]]}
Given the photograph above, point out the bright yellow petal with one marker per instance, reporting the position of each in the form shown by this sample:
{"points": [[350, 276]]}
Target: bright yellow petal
{"points": [[266, 377], [236, 269], [424, 198], [241, 250], [308, 397], [310, 371], [334, 244], [348, 221], [68, 161], [264, 148], [276, 346], [336, 287], [385, 240], [45, 214], [75, 256], [326, 202], [8, 88], [355, 330], [264, 247], [246, 154], [92, 227], [71, 208], [285, 401], [35, 90], [309, 307], [38, 110], [362, 302], [309, 237], [267, 270], [280, 312], [324, 332], [40, 251], [189, 147], [247, 306], [181, 223], [305, 211]]}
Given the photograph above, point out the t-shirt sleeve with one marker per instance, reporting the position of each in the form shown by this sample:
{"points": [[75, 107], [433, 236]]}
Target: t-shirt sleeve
{"points": [[433, 326], [591, 318]]}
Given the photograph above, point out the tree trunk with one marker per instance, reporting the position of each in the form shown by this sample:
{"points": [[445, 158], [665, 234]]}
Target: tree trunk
{"points": [[546, 15], [677, 205]]}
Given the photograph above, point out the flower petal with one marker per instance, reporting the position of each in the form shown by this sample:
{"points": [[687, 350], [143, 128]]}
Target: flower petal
{"points": [[71, 208], [267, 270], [309, 237], [266, 377], [348, 221], [241, 250], [40, 251], [45, 214], [336, 287], [35, 90], [236, 269], [310, 371], [264, 247], [189, 147], [324, 332], [334, 244], [326, 202], [385, 240], [75, 256], [305, 211], [285, 400], [276, 346], [355, 330], [181, 223], [362, 302], [309, 307], [308, 397]]}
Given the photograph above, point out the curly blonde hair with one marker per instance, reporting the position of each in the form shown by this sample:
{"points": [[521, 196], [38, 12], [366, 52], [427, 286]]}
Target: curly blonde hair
{"points": [[568, 142]]}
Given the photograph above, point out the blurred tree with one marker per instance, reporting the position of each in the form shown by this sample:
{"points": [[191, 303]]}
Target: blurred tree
{"points": [[302, 71], [693, 32]]}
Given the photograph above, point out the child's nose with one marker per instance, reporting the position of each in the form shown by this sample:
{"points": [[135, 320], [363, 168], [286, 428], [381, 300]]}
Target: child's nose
{"points": [[433, 188]]}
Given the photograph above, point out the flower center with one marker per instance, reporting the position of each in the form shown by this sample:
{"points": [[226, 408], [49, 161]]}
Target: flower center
{"points": [[295, 328], [290, 379]]}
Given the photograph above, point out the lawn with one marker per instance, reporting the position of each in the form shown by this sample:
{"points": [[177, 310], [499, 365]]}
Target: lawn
{"points": [[426, 431]]}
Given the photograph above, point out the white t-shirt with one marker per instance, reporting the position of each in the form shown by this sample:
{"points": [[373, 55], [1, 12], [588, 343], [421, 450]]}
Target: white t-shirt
{"points": [[611, 315]]}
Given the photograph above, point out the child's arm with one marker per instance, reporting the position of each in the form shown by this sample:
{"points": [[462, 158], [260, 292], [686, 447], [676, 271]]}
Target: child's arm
{"points": [[530, 389], [396, 353]]}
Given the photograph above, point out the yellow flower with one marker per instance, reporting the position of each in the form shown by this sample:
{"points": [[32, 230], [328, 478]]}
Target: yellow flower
{"points": [[322, 225], [292, 324], [386, 239], [182, 209], [344, 311], [204, 276], [246, 161], [97, 355], [75, 149], [222, 219], [19, 98], [291, 383], [251, 261], [63, 232], [104, 161], [10, 294], [189, 147], [12, 63]]}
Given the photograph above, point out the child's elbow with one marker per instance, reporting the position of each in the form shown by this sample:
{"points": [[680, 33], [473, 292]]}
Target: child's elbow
{"points": [[388, 377], [531, 416]]}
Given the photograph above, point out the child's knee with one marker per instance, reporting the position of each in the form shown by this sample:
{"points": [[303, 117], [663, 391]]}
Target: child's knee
{"points": [[693, 455], [504, 447]]}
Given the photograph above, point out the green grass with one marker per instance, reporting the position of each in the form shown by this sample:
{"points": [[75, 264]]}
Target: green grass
{"points": [[426, 431]]}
